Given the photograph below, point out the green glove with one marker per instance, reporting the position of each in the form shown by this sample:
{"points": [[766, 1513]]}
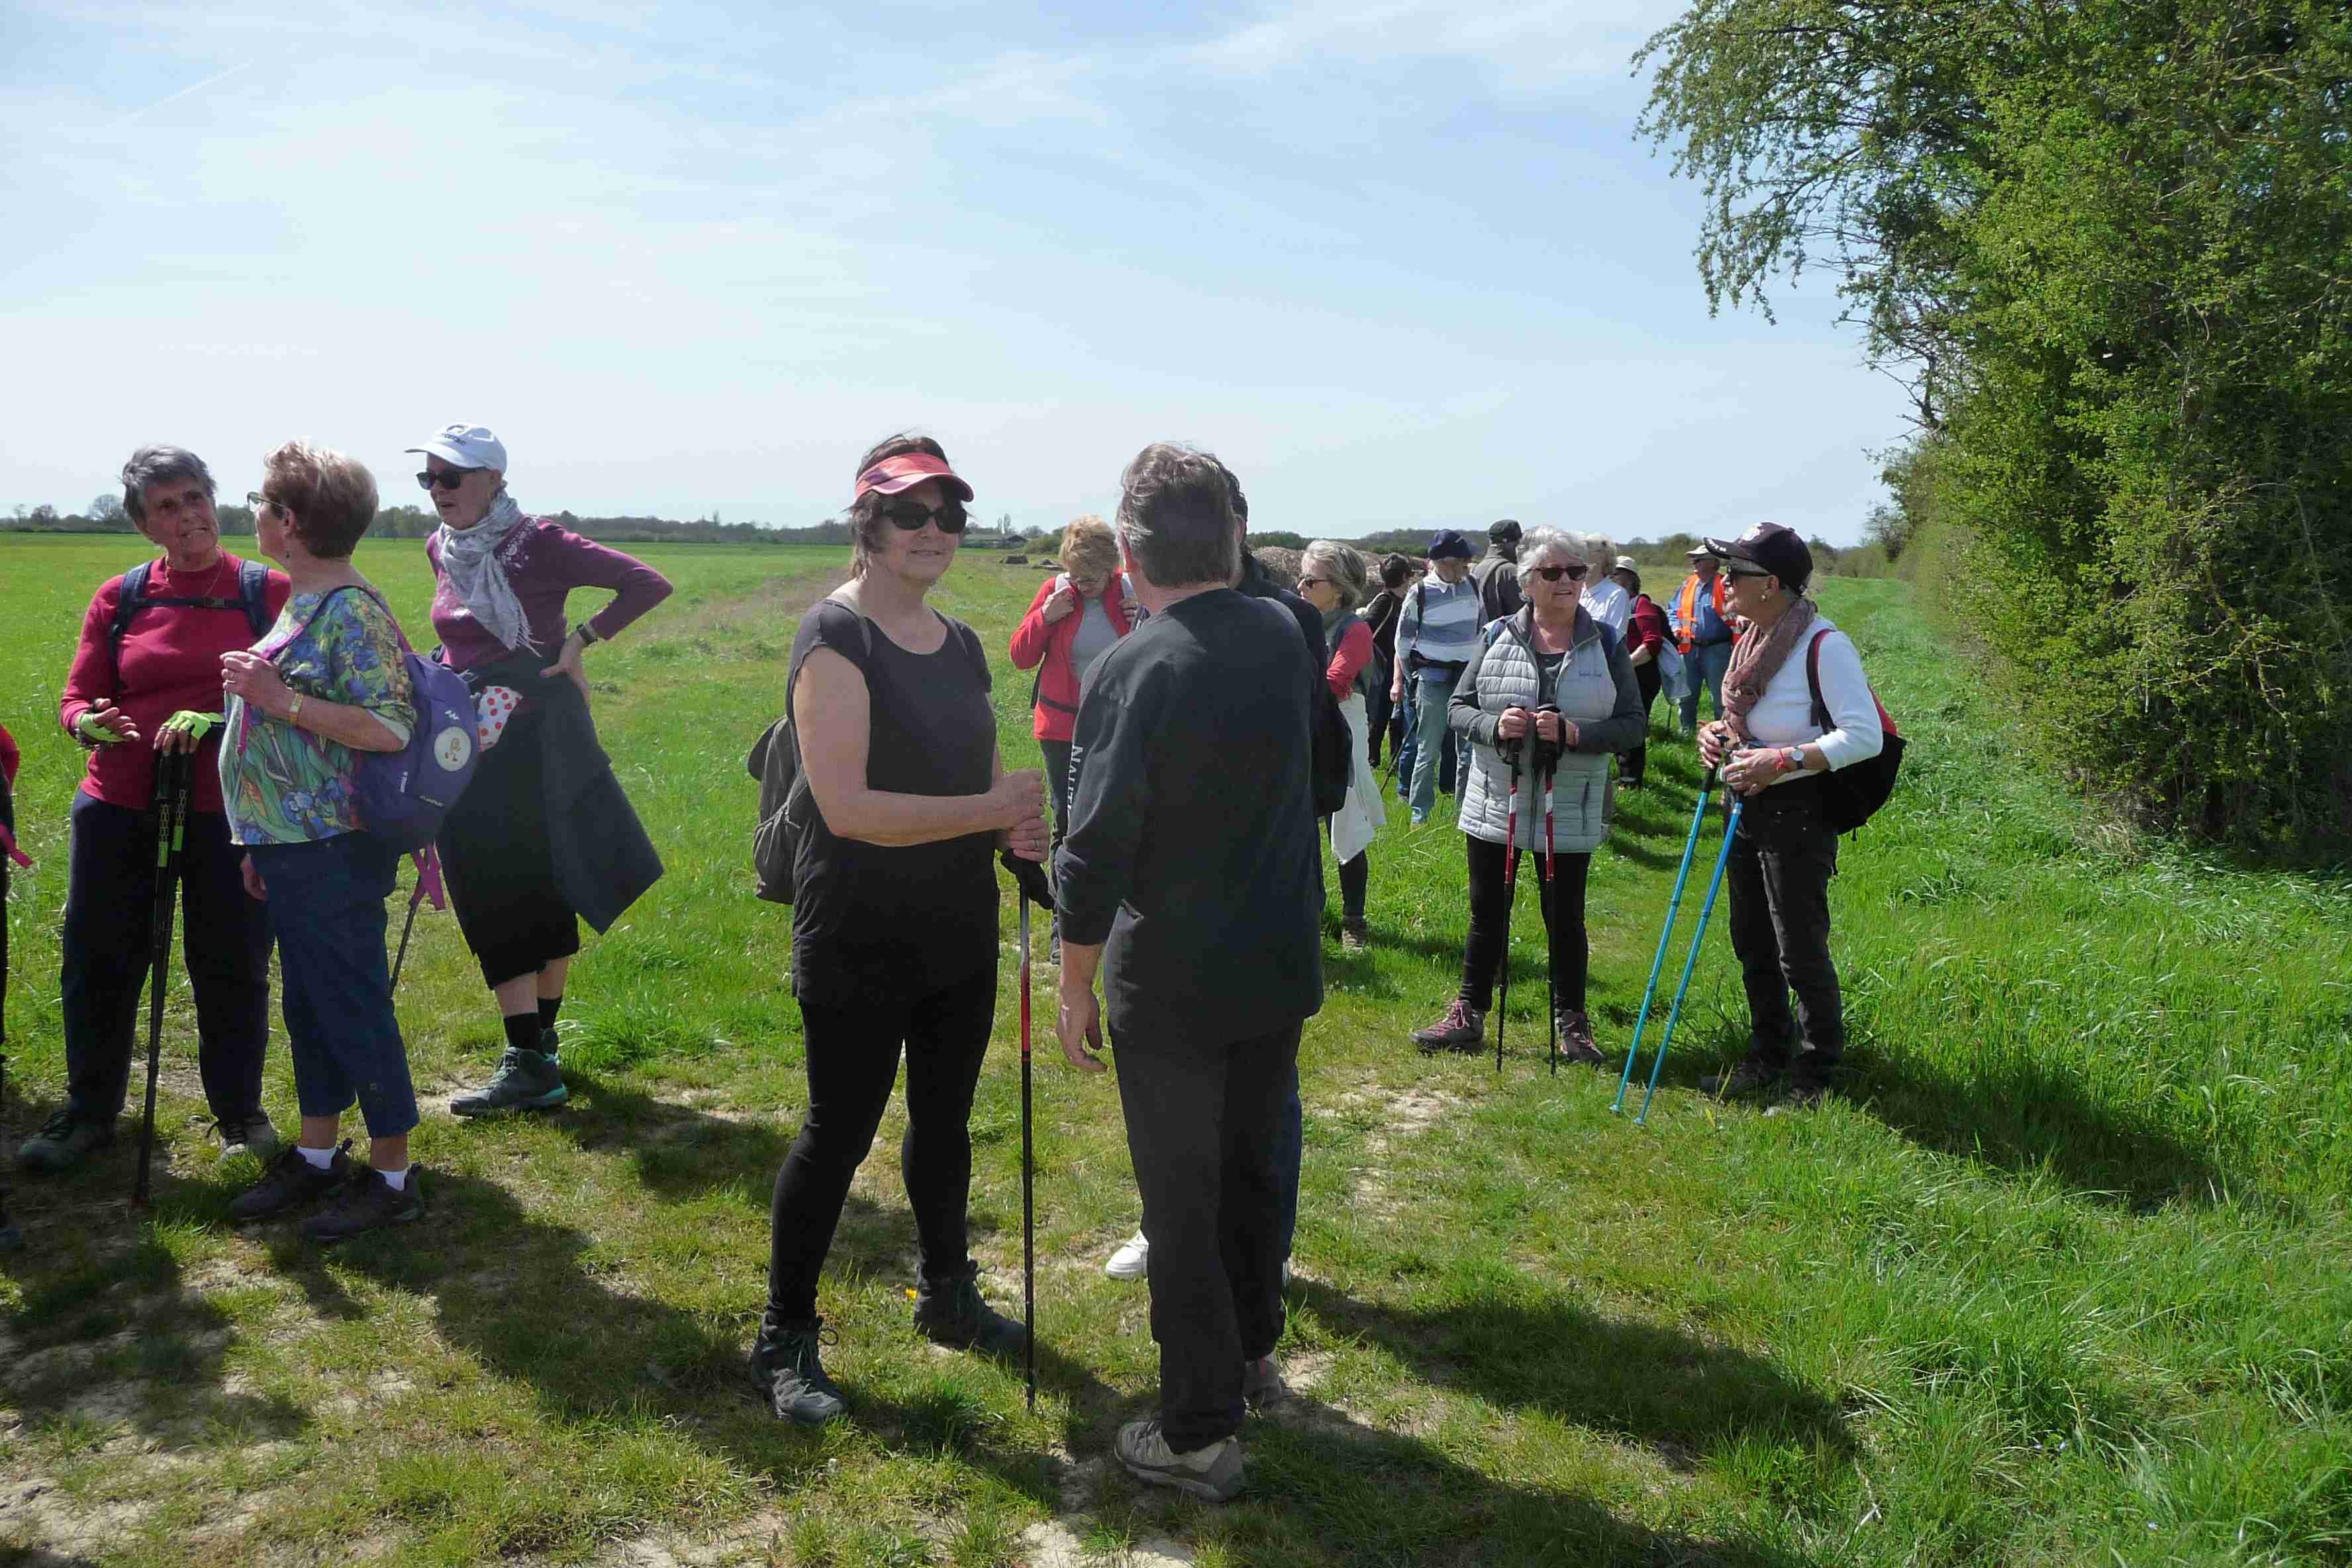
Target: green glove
{"points": [[188, 722], [94, 734]]}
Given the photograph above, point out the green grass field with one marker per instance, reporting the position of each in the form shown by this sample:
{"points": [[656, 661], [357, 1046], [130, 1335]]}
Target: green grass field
{"points": [[2062, 1279]]}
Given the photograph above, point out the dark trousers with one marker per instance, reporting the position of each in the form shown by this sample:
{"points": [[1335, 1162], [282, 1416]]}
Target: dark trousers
{"points": [[1378, 707], [1779, 882], [1563, 899], [1637, 760], [501, 869], [326, 908], [1205, 1124], [224, 940], [853, 1060], [1355, 881]]}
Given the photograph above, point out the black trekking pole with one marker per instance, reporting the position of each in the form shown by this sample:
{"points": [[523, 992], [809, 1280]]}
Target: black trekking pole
{"points": [[428, 886], [11, 1239], [170, 810]]}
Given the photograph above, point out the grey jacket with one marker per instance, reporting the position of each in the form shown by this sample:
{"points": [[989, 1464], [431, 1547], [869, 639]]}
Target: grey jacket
{"points": [[1595, 688]]}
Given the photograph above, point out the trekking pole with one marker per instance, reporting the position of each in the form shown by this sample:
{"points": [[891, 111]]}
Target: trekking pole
{"points": [[1549, 764], [172, 795], [1674, 904], [1511, 891], [1028, 1196], [1698, 937], [11, 1239], [428, 886]]}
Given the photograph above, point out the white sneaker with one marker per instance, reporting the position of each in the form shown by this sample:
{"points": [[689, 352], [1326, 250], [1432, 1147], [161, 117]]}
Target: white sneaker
{"points": [[1213, 1474], [1132, 1260]]}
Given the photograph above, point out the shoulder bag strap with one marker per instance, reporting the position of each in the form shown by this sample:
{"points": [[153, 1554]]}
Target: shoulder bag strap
{"points": [[1813, 679]]}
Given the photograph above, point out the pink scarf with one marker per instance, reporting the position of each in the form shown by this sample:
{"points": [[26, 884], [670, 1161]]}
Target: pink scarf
{"points": [[1757, 657]]}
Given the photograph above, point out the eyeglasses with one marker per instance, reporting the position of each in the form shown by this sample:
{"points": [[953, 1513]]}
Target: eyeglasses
{"points": [[256, 500], [1306, 583], [443, 479], [1554, 573], [908, 516]]}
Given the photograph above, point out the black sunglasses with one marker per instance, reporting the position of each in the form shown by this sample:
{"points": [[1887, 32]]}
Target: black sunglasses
{"points": [[909, 516], [1554, 573], [443, 479]]}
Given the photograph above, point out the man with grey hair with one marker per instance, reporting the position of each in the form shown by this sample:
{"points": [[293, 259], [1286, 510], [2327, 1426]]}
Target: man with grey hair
{"points": [[1202, 905]]}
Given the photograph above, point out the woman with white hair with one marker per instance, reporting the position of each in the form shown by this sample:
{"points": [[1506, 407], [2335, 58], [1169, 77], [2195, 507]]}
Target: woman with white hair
{"points": [[1334, 580], [1604, 600], [1555, 676], [542, 837]]}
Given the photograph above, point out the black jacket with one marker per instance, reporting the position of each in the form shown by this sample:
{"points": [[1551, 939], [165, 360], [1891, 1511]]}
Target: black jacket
{"points": [[1334, 752], [1498, 574], [604, 860]]}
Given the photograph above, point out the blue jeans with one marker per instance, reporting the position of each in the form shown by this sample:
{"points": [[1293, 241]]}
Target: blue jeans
{"points": [[1705, 666], [325, 909], [1438, 758]]}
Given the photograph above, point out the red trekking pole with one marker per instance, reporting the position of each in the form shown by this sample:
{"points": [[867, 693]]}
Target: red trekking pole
{"points": [[1548, 762], [1512, 755]]}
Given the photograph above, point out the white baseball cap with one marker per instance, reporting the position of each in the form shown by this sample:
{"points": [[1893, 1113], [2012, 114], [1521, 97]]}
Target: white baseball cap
{"points": [[467, 447], [1625, 563]]}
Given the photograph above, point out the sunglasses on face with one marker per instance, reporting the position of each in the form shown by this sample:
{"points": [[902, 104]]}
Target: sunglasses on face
{"points": [[907, 516], [1306, 583], [442, 478], [1554, 573]]}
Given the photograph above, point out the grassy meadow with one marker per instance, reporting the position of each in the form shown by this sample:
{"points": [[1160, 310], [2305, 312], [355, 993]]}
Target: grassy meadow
{"points": [[2065, 1278]]}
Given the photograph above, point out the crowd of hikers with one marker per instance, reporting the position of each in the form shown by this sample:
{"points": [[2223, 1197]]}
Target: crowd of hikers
{"points": [[269, 735]]}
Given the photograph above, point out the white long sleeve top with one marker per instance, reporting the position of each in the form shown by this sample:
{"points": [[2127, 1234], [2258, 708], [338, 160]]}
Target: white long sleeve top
{"points": [[1784, 715]]}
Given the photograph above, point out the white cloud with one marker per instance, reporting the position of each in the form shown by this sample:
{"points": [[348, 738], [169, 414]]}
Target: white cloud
{"points": [[1526, 48]]}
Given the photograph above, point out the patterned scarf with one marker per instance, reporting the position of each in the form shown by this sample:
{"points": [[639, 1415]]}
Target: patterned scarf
{"points": [[1757, 657], [470, 561]]}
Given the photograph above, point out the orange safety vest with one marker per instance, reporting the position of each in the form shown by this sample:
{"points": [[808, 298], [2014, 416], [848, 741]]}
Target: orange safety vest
{"points": [[1686, 606]]}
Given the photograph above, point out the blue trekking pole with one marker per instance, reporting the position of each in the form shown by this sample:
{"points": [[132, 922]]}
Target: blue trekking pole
{"points": [[1698, 939], [1690, 845]]}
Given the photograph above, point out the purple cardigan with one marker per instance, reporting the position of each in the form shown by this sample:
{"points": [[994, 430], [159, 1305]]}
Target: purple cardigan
{"points": [[544, 561]]}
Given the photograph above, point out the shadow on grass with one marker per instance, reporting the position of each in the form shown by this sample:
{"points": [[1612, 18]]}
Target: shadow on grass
{"points": [[512, 1290], [1325, 1487], [678, 1151], [1680, 1396]]}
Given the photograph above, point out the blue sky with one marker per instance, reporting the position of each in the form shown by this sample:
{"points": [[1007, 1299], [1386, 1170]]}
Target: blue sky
{"points": [[1399, 263]]}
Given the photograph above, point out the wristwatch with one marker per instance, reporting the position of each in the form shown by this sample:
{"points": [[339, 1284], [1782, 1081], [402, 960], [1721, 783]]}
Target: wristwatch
{"points": [[586, 634], [1792, 759]]}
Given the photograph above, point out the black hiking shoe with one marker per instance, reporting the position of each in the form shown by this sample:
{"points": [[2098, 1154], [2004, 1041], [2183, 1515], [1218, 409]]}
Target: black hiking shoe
{"points": [[255, 1135], [526, 1081], [290, 1180], [1752, 1076], [949, 1310], [1463, 1028], [64, 1140], [788, 1374], [367, 1202], [1355, 933], [1575, 1044]]}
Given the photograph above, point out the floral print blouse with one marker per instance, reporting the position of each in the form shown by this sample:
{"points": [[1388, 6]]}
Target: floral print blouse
{"points": [[284, 785]]}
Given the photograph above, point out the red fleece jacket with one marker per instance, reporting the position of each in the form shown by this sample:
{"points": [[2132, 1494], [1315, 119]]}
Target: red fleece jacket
{"points": [[1056, 716]]}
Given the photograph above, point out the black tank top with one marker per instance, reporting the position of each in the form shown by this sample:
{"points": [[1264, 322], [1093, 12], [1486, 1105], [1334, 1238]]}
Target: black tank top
{"points": [[907, 919]]}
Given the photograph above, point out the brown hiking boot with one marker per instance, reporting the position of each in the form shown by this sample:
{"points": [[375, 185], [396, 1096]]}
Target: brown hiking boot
{"points": [[1576, 1039], [1354, 934], [1461, 1029]]}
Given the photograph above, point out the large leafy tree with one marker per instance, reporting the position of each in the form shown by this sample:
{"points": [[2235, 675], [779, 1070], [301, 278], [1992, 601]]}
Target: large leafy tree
{"points": [[2108, 245]]}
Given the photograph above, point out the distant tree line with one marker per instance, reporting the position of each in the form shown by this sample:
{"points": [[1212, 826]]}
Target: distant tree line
{"points": [[105, 515], [2108, 249]]}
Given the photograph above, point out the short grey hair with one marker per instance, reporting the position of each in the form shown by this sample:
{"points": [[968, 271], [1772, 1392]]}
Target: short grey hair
{"points": [[160, 465], [1538, 543], [1176, 520], [1340, 565]]}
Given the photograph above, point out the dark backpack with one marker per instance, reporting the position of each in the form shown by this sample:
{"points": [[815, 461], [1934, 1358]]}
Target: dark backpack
{"points": [[404, 796], [775, 761], [1851, 795], [252, 597]]}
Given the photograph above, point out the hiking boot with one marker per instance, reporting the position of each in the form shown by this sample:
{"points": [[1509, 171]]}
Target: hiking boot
{"points": [[1261, 1385], [1355, 934], [289, 1179], [253, 1135], [367, 1201], [64, 1140], [526, 1081], [1461, 1029], [1213, 1474], [948, 1312], [788, 1372], [1803, 1094], [550, 1045], [1576, 1039], [1752, 1076], [1132, 1260]]}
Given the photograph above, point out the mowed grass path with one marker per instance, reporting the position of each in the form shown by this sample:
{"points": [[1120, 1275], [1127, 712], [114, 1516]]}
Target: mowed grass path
{"points": [[2062, 1279]]}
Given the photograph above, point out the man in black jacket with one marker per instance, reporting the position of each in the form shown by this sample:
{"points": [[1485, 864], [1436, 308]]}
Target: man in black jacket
{"points": [[1498, 572], [1202, 905]]}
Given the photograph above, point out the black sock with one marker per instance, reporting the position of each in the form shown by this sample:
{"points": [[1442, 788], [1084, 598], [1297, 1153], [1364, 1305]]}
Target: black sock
{"points": [[522, 1031], [549, 1006]]}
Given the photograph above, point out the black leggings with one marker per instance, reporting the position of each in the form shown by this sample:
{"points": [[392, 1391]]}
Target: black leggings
{"points": [[1355, 878], [1646, 679], [853, 1060], [1490, 907]]}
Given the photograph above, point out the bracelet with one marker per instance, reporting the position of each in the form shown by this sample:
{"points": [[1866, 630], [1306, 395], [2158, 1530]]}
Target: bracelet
{"points": [[1792, 759], [294, 713], [586, 634]]}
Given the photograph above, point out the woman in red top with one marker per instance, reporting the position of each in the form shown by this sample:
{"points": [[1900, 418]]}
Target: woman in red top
{"points": [[1078, 614], [142, 684], [1334, 579], [1645, 634]]}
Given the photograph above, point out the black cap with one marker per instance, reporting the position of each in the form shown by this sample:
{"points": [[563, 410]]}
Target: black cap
{"points": [[1772, 547], [1504, 533], [1447, 541]]}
